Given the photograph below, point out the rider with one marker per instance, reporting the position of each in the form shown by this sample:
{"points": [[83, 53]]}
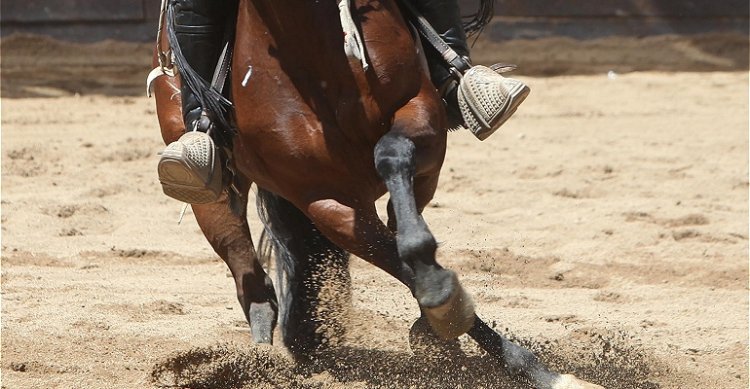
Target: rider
{"points": [[189, 170]]}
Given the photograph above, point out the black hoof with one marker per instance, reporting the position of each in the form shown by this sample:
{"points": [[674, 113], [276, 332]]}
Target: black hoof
{"points": [[262, 321]]}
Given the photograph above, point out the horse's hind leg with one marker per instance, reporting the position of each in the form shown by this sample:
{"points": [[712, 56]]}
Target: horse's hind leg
{"points": [[441, 297], [521, 362], [229, 235], [312, 277]]}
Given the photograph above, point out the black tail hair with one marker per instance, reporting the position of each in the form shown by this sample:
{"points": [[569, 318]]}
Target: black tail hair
{"points": [[312, 276]]}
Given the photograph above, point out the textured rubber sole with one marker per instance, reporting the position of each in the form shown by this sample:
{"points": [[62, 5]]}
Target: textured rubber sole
{"points": [[516, 96], [189, 169], [487, 100]]}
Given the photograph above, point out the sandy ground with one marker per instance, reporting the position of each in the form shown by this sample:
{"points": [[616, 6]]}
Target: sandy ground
{"points": [[606, 227]]}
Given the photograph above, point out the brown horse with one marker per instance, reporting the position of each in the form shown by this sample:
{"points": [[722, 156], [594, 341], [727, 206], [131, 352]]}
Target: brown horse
{"points": [[323, 139]]}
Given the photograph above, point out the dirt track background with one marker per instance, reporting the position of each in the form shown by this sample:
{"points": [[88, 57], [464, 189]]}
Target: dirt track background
{"points": [[606, 227]]}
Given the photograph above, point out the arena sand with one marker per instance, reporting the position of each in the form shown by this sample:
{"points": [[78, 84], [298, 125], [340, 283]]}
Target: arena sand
{"points": [[605, 227]]}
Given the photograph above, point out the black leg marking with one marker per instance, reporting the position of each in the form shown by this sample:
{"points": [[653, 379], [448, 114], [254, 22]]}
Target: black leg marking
{"points": [[518, 361], [446, 305]]}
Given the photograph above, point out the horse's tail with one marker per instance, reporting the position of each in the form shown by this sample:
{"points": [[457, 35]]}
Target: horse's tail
{"points": [[312, 276]]}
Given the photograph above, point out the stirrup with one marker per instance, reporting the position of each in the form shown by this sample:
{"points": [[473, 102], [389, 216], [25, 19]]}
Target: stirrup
{"points": [[487, 99], [190, 169]]}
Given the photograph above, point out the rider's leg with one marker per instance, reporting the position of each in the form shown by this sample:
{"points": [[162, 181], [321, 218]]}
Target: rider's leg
{"points": [[190, 168], [199, 26], [483, 99]]}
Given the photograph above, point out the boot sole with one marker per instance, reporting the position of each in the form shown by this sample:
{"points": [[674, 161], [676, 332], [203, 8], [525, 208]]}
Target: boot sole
{"points": [[180, 181], [516, 96]]}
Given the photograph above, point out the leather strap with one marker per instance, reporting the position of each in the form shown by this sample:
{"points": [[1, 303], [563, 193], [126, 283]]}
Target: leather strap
{"points": [[428, 32]]}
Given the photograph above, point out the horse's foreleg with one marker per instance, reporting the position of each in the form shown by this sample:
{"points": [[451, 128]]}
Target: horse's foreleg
{"points": [[229, 235], [441, 297], [360, 232], [411, 188]]}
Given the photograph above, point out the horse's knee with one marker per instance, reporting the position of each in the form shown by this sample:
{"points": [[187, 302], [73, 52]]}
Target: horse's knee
{"points": [[394, 154]]}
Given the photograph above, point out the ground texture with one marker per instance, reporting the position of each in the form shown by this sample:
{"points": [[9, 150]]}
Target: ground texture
{"points": [[605, 227]]}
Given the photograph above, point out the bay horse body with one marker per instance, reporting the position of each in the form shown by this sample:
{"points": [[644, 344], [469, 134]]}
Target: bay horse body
{"points": [[323, 139]]}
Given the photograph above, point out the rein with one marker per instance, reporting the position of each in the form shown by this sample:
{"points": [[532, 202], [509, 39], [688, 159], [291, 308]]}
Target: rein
{"points": [[431, 36]]}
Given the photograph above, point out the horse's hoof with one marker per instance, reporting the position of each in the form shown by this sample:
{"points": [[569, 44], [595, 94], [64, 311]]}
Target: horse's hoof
{"points": [[455, 316], [569, 381], [262, 318], [425, 344]]}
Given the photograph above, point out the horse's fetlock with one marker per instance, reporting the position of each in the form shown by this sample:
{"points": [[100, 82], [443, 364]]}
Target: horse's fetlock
{"points": [[417, 247]]}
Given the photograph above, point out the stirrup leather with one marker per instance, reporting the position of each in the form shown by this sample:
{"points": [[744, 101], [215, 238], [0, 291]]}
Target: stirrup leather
{"points": [[190, 169], [486, 99]]}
